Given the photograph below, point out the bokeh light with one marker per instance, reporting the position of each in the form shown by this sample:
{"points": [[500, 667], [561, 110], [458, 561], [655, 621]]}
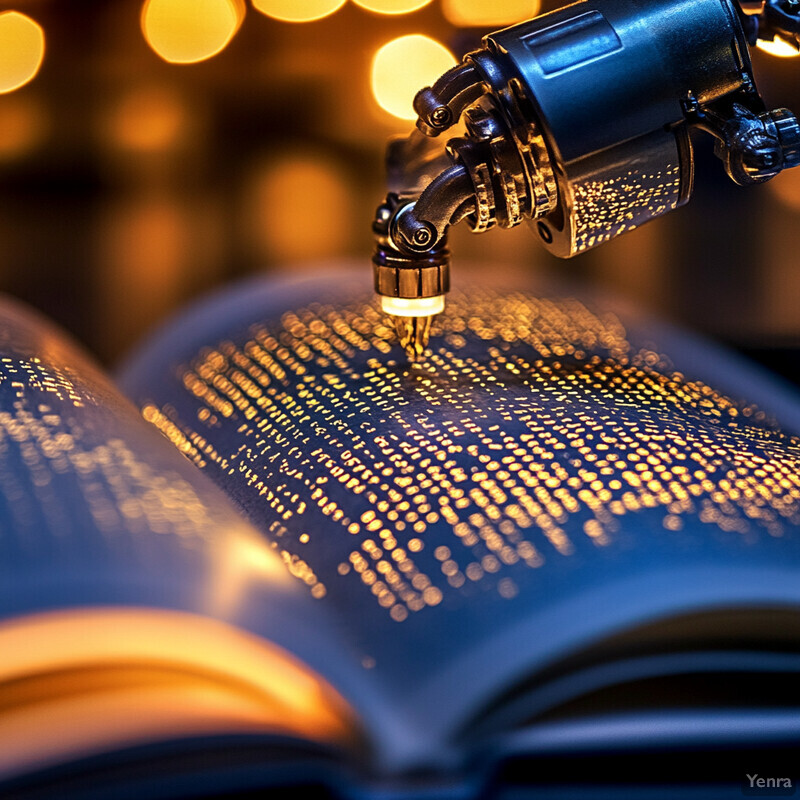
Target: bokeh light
{"points": [[149, 252], [404, 66], [24, 125], [297, 10], [298, 208], [786, 188], [391, 6], [778, 47], [187, 31], [148, 119], [21, 50], [487, 13]]}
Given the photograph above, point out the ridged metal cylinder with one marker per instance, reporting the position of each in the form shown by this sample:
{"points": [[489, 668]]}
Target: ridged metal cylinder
{"points": [[607, 83]]}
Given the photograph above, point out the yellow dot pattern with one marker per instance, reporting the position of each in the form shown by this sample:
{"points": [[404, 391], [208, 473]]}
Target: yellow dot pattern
{"points": [[74, 480], [532, 431], [606, 208]]}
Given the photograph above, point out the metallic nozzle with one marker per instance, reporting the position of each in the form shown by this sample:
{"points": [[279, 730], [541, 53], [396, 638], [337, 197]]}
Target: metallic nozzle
{"points": [[411, 286], [414, 334], [412, 321]]}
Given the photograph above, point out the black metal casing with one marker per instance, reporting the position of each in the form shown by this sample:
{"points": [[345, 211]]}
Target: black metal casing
{"points": [[608, 82]]}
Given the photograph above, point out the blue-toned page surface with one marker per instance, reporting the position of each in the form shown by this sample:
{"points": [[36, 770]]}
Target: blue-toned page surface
{"points": [[553, 472], [94, 506], [120, 560]]}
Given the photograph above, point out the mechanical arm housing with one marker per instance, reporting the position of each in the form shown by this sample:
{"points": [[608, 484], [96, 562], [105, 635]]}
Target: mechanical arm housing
{"points": [[576, 122]]}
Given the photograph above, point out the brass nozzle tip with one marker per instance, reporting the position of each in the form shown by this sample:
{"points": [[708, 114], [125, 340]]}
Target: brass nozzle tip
{"points": [[412, 320], [414, 334]]}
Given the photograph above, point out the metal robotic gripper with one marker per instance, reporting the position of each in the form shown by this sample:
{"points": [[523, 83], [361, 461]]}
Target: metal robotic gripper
{"points": [[578, 123]]}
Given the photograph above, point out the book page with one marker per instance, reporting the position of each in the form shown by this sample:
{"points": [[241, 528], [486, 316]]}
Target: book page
{"points": [[552, 472], [116, 551]]}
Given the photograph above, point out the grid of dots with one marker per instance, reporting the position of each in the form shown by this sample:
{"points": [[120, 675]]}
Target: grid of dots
{"points": [[606, 208], [531, 430], [63, 459]]}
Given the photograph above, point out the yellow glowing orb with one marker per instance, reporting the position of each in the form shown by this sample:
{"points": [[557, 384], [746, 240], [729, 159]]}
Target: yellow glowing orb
{"points": [[778, 47], [21, 50], [297, 10], [486, 13], [404, 66], [391, 6], [187, 31]]}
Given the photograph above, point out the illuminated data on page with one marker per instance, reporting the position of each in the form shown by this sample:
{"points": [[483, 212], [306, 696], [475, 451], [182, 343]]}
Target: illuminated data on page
{"points": [[65, 471], [532, 430]]}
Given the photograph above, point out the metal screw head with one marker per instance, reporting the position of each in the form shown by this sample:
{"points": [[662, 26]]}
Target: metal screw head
{"points": [[422, 237], [441, 117]]}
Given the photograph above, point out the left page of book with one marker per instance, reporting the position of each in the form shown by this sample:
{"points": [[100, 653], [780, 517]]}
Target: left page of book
{"points": [[116, 554]]}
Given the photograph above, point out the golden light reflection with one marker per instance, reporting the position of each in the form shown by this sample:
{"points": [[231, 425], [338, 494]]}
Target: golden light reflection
{"points": [[150, 119], [404, 66], [86, 681], [187, 31], [392, 6], [486, 13], [277, 209], [21, 50], [298, 10], [242, 561], [23, 125], [778, 47]]}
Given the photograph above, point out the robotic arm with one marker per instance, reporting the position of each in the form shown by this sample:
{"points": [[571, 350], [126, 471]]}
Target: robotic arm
{"points": [[576, 122]]}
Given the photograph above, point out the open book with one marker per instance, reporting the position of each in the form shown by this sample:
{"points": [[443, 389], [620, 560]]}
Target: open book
{"points": [[568, 536]]}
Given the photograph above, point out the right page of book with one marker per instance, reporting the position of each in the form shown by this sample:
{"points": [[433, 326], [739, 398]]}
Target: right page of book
{"points": [[553, 472]]}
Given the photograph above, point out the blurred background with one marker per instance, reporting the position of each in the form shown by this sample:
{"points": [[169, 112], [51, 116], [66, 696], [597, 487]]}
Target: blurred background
{"points": [[150, 152]]}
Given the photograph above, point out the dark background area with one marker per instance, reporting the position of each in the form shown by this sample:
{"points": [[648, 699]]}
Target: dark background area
{"points": [[129, 185]]}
